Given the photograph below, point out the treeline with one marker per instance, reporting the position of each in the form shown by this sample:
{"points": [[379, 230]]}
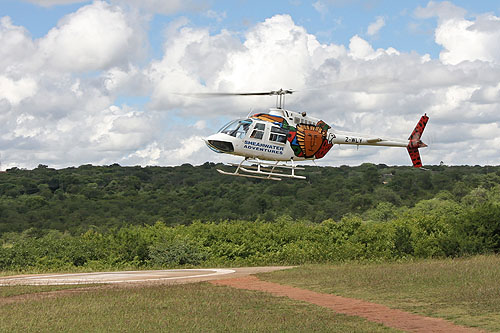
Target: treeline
{"points": [[438, 227], [99, 198]]}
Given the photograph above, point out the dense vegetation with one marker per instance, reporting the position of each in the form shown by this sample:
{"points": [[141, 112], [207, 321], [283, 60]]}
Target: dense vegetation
{"points": [[106, 217], [76, 199]]}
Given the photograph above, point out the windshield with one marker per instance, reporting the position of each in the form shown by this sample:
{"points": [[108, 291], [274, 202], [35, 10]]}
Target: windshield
{"points": [[237, 128]]}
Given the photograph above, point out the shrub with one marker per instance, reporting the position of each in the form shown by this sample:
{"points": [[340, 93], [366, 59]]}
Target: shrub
{"points": [[178, 252]]}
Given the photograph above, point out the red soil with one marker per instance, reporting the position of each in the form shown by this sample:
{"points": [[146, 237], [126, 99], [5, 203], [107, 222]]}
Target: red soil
{"points": [[371, 311]]}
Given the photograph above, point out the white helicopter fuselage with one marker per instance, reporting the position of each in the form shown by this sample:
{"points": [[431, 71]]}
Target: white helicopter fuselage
{"points": [[268, 141], [283, 135]]}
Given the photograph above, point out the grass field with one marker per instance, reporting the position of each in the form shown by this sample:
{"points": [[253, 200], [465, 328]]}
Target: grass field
{"points": [[197, 307], [465, 291], [26, 290]]}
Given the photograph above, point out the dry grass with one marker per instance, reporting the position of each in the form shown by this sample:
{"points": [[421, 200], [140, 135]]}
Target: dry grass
{"points": [[9, 291], [465, 291], [178, 308]]}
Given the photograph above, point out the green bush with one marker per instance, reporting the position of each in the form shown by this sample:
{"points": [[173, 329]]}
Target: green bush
{"points": [[177, 253], [437, 227], [478, 230]]}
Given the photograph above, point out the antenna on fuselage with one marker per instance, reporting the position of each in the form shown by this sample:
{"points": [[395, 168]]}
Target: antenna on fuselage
{"points": [[250, 113]]}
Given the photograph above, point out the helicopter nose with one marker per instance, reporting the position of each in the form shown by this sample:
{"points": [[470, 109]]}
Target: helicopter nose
{"points": [[218, 144], [224, 146]]}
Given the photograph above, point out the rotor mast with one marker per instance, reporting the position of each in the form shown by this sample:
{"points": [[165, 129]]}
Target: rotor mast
{"points": [[280, 97]]}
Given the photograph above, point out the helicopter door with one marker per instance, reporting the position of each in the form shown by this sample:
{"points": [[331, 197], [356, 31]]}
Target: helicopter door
{"points": [[278, 134], [258, 131]]}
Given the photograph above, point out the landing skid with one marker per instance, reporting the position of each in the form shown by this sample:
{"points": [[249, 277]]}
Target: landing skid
{"points": [[263, 170]]}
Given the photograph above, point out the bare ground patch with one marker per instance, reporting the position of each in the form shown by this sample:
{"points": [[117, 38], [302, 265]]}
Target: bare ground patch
{"points": [[353, 307]]}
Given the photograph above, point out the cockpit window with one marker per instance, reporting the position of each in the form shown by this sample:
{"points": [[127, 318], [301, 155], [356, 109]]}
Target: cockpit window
{"points": [[237, 128]]}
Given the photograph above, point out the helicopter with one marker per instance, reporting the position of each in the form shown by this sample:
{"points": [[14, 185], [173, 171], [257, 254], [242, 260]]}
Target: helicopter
{"points": [[270, 143]]}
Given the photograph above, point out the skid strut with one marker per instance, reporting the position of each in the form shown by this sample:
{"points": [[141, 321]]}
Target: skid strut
{"points": [[263, 170]]}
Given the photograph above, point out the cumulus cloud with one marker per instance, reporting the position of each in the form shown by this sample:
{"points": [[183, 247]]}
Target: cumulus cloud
{"points": [[444, 10], [95, 37], [17, 45], [52, 110], [15, 91], [463, 39], [360, 48]]}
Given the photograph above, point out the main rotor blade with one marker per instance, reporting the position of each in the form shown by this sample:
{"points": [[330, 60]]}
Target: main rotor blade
{"points": [[265, 93], [234, 94]]}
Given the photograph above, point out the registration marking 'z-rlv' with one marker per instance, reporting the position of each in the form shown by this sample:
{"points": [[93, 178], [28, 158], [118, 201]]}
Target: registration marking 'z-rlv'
{"points": [[353, 140]]}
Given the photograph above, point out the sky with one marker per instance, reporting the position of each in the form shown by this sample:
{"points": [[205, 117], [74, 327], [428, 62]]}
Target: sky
{"points": [[104, 82]]}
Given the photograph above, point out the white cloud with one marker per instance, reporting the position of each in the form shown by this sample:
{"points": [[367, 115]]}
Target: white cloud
{"points": [[276, 52], [187, 148], [487, 94], [444, 10], [375, 27], [463, 39], [95, 37], [15, 91], [360, 48], [150, 155], [17, 46], [128, 81]]}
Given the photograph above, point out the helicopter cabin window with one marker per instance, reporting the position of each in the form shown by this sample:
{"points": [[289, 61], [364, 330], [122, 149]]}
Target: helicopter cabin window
{"points": [[258, 131], [237, 128], [278, 134]]}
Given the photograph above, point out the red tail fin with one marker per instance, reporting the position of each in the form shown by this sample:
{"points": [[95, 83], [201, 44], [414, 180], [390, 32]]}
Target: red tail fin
{"points": [[416, 143], [415, 157]]}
